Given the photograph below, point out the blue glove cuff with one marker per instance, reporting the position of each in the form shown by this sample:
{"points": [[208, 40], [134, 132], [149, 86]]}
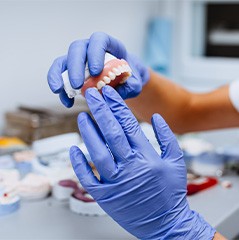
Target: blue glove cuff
{"points": [[192, 226]]}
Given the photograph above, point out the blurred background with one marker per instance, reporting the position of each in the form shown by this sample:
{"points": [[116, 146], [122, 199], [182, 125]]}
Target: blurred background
{"points": [[193, 42]]}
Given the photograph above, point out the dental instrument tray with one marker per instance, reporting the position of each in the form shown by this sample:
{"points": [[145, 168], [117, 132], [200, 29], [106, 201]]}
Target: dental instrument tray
{"points": [[32, 123]]}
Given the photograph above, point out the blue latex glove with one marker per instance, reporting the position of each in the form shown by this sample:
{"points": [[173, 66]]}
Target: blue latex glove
{"points": [[142, 191], [93, 50]]}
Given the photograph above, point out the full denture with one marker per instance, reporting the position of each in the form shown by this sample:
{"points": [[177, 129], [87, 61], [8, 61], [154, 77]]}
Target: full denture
{"points": [[115, 72]]}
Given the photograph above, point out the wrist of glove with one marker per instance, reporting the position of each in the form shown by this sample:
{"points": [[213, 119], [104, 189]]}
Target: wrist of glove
{"points": [[189, 225]]}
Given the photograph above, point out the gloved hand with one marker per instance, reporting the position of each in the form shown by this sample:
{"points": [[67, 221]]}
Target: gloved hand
{"points": [[142, 191], [93, 50]]}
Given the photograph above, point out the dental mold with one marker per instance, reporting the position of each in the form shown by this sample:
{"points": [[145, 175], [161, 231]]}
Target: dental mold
{"points": [[116, 71]]}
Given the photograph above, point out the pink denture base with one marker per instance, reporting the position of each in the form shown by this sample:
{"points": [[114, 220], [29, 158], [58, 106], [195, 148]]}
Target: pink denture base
{"points": [[108, 67]]}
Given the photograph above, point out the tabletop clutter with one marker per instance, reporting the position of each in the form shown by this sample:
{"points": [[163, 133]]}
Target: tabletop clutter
{"points": [[32, 172], [44, 169]]}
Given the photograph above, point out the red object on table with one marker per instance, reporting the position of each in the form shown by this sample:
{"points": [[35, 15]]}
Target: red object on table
{"points": [[200, 184]]}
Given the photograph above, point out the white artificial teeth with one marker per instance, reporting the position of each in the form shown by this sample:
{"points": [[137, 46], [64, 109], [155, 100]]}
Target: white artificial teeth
{"points": [[106, 79], [100, 84], [116, 71], [111, 75], [121, 69], [125, 68]]}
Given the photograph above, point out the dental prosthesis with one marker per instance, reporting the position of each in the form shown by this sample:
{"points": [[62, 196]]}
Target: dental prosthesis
{"points": [[80, 201], [116, 71], [34, 186], [9, 203], [9, 200], [64, 189]]}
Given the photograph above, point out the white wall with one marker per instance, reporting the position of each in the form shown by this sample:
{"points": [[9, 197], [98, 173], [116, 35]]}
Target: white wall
{"points": [[33, 33]]}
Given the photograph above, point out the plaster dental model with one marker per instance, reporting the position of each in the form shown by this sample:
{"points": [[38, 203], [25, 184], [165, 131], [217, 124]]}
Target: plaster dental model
{"points": [[64, 189], [9, 200], [9, 203], [34, 186], [82, 203], [115, 72]]}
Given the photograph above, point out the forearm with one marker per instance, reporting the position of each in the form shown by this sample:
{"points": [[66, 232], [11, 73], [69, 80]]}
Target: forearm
{"points": [[218, 236], [184, 111], [213, 110]]}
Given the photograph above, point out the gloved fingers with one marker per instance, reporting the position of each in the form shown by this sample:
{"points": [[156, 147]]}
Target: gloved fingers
{"points": [[96, 146], [55, 80], [82, 169], [142, 70], [99, 44], [131, 88], [166, 139], [68, 102], [125, 117], [54, 77], [109, 126], [76, 60]]}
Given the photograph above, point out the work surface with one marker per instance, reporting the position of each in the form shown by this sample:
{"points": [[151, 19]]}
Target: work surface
{"points": [[51, 219]]}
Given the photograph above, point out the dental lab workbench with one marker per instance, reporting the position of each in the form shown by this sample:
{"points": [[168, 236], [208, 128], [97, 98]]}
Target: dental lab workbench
{"points": [[51, 219]]}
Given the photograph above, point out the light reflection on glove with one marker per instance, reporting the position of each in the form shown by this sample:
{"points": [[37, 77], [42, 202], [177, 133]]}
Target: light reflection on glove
{"points": [[142, 191], [93, 50]]}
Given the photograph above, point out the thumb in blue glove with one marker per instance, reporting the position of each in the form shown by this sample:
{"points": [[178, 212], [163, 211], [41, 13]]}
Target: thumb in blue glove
{"points": [[93, 50], [142, 191]]}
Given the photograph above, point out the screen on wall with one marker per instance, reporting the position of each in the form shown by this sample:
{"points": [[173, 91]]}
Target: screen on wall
{"points": [[222, 30]]}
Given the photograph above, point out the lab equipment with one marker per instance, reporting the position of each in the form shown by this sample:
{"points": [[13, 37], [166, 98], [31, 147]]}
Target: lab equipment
{"points": [[209, 164], [94, 49], [201, 156], [9, 145], [220, 33], [23, 161], [9, 204], [233, 94], [53, 151], [199, 184], [115, 72], [9, 200], [24, 167], [31, 123], [9, 179], [80, 201], [133, 175], [53, 156], [226, 184], [6, 162]]}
